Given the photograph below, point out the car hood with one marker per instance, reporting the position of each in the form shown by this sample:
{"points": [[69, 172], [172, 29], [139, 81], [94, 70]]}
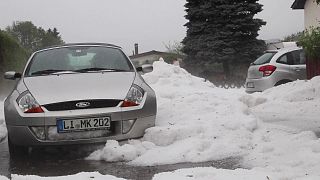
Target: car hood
{"points": [[82, 86]]}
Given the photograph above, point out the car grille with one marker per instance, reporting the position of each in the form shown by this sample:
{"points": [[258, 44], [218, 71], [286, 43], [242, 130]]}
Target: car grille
{"points": [[72, 105]]}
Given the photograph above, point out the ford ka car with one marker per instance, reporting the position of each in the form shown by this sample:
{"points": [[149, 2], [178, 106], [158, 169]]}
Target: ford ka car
{"points": [[77, 94]]}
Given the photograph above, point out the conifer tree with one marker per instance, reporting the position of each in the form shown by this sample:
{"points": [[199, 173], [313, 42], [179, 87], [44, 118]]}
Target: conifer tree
{"points": [[222, 31]]}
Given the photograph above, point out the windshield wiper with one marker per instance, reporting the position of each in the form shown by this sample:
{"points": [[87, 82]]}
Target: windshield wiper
{"points": [[96, 69], [64, 72], [47, 72]]}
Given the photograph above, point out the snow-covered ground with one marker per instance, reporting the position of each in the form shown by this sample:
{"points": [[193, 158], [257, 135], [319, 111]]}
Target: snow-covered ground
{"points": [[294, 104], [211, 173], [3, 130], [196, 122], [284, 142], [199, 122], [80, 176]]}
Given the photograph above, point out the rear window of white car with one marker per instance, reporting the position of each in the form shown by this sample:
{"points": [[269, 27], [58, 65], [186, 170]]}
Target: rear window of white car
{"points": [[265, 58]]}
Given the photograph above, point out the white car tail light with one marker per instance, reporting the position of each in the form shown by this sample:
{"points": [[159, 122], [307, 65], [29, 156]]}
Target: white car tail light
{"points": [[267, 70]]}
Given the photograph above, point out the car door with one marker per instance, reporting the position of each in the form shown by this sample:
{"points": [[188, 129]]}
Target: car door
{"points": [[299, 64]]}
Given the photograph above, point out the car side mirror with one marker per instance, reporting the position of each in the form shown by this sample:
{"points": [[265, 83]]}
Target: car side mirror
{"points": [[12, 75], [146, 68], [139, 69]]}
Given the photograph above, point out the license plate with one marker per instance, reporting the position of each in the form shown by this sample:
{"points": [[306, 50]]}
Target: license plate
{"points": [[250, 85], [85, 124]]}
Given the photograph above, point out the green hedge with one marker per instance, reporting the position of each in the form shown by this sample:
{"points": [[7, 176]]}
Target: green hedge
{"points": [[12, 55], [310, 41]]}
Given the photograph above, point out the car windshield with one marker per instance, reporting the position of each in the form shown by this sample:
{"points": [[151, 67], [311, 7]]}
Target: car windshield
{"points": [[78, 59], [265, 58]]}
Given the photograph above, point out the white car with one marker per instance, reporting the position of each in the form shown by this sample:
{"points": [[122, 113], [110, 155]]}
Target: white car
{"points": [[276, 67], [77, 94]]}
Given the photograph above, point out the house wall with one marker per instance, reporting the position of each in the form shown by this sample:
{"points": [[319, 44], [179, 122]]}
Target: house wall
{"points": [[280, 45], [274, 46], [311, 14]]}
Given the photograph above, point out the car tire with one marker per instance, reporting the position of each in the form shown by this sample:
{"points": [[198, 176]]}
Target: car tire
{"points": [[282, 82], [17, 151]]}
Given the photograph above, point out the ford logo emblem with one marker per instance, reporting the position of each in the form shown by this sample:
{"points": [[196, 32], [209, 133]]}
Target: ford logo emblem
{"points": [[83, 104]]}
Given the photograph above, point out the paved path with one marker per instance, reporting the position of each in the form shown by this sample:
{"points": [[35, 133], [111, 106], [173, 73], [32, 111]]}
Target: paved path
{"points": [[66, 161]]}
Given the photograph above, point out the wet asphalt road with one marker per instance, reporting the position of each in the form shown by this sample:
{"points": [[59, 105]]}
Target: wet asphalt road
{"points": [[70, 160]]}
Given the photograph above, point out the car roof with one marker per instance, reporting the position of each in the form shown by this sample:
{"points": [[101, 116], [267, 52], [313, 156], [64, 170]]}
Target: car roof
{"points": [[79, 44], [285, 50], [282, 51]]}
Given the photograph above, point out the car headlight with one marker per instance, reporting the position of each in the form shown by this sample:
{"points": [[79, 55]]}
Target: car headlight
{"points": [[134, 97], [28, 104]]}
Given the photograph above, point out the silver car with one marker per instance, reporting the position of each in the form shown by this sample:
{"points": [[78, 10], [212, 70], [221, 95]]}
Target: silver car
{"points": [[276, 67], [77, 94]]}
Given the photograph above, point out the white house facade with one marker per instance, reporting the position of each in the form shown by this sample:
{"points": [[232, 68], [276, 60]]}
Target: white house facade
{"points": [[145, 58], [151, 56], [311, 12]]}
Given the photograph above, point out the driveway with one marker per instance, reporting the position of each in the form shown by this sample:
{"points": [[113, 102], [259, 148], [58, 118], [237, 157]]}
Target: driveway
{"points": [[70, 160]]}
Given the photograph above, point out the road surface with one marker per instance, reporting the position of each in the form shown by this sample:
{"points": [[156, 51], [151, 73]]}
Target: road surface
{"points": [[70, 160]]}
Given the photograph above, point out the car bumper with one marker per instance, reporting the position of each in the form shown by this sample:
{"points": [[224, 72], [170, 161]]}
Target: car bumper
{"points": [[259, 85], [25, 136], [23, 128]]}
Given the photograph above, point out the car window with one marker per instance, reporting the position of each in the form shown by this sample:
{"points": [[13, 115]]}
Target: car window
{"points": [[78, 62], [298, 57], [265, 58], [284, 59], [78, 57]]}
